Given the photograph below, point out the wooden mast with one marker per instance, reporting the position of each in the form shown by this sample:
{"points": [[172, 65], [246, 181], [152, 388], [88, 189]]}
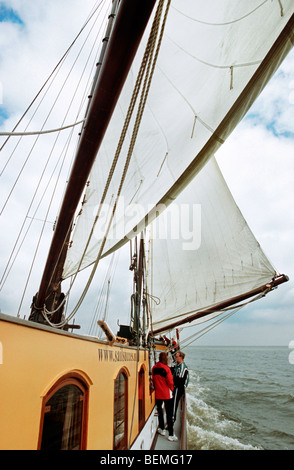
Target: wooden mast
{"points": [[222, 305], [128, 29]]}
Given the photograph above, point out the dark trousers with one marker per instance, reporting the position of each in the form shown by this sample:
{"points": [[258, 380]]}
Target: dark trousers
{"points": [[169, 414], [177, 395]]}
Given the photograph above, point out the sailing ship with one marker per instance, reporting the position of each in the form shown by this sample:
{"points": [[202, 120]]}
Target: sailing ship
{"points": [[171, 82]]}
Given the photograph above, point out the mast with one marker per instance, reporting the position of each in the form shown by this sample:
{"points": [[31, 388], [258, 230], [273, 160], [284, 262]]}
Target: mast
{"points": [[137, 266], [228, 303], [127, 32]]}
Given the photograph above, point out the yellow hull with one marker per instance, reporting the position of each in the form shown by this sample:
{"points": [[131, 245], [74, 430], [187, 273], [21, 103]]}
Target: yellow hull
{"points": [[35, 361]]}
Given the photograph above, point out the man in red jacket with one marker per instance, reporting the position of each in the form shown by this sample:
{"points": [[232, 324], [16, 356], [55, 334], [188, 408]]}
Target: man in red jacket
{"points": [[164, 385]]}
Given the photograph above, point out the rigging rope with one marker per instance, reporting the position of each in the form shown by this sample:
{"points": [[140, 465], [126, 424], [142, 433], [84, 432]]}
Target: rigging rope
{"points": [[146, 70], [60, 161], [43, 227], [8, 268], [99, 305], [225, 23], [41, 132], [54, 70], [213, 325]]}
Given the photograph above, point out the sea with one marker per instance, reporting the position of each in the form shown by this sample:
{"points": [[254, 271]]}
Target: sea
{"points": [[240, 398]]}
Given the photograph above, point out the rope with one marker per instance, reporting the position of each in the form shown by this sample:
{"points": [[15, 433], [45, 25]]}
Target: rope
{"points": [[7, 268], [99, 305], [48, 114], [222, 24], [53, 71], [216, 66], [11, 261], [44, 224], [210, 327], [41, 132]]}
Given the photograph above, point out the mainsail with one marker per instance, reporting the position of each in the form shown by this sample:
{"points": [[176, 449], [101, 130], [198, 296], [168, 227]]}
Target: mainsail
{"points": [[214, 59], [198, 69], [210, 258], [175, 80]]}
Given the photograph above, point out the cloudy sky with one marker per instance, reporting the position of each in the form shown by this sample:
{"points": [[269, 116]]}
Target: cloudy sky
{"points": [[257, 160], [261, 153]]}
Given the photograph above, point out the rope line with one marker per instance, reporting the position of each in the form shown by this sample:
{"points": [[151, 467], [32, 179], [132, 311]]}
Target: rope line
{"points": [[225, 23], [50, 131], [213, 325], [146, 69], [16, 248], [53, 71]]}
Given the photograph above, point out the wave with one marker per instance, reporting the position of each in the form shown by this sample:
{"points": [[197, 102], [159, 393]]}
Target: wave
{"points": [[240, 403], [277, 433], [201, 439], [208, 428], [290, 398]]}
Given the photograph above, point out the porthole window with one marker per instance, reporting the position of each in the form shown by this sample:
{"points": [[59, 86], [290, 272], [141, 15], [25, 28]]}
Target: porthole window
{"points": [[120, 426], [64, 416]]}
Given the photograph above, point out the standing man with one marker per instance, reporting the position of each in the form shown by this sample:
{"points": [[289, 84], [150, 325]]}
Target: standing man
{"points": [[181, 380], [164, 385]]}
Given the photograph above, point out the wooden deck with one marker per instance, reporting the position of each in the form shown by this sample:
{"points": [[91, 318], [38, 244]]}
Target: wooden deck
{"points": [[180, 430]]}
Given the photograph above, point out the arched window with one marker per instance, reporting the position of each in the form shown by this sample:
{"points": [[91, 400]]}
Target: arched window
{"points": [[141, 398], [120, 422], [64, 412]]}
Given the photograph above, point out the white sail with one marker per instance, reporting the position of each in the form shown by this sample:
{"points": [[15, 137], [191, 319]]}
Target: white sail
{"points": [[213, 256], [215, 58]]}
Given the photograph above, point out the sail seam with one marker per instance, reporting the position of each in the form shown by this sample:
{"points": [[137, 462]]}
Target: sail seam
{"points": [[196, 116], [216, 66], [227, 22]]}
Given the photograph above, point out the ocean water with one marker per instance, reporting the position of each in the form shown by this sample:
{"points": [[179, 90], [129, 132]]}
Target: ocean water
{"points": [[240, 398]]}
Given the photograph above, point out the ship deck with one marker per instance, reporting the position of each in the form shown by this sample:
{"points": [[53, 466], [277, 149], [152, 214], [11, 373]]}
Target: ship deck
{"points": [[162, 442], [18, 358]]}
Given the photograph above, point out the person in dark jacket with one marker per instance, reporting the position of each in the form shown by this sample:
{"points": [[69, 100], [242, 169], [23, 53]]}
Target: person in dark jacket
{"points": [[181, 380], [164, 385]]}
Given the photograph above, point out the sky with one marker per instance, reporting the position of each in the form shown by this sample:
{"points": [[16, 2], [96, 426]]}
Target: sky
{"points": [[257, 160], [260, 153]]}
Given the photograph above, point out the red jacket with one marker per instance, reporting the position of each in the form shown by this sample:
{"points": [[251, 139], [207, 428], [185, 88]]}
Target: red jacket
{"points": [[163, 381]]}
